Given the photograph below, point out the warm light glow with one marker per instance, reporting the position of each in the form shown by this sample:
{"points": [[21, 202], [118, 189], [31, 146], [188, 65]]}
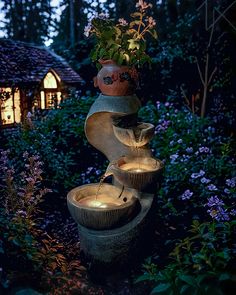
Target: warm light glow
{"points": [[102, 201], [58, 98], [138, 170], [50, 100], [50, 81], [17, 106], [136, 167], [42, 96], [10, 108]]}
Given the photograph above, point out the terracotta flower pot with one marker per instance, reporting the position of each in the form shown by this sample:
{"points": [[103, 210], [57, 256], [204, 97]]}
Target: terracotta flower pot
{"points": [[116, 80]]}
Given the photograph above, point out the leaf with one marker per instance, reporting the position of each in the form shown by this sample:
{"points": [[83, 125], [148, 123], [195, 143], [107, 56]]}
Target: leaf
{"points": [[201, 278], [102, 52], [136, 14], [184, 288], [153, 33], [224, 277], [161, 288], [142, 278], [136, 22], [188, 279], [133, 44]]}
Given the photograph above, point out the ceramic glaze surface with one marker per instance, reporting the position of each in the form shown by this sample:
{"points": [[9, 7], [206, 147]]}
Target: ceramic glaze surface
{"points": [[116, 80]]}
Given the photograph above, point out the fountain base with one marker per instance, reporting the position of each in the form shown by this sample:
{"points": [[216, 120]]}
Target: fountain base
{"points": [[121, 246]]}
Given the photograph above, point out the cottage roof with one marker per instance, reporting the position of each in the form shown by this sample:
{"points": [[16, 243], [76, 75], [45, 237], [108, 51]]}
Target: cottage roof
{"points": [[23, 63]]}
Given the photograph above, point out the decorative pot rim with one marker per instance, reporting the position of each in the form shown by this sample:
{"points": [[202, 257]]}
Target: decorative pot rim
{"points": [[115, 166], [150, 126], [74, 192]]}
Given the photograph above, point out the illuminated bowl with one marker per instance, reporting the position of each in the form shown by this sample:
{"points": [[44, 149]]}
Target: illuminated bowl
{"points": [[110, 209], [137, 136], [137, 172]]}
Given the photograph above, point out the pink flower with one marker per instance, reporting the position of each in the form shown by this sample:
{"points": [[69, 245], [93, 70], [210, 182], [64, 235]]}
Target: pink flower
{"points": [[123, 22], [143, 5], [151, 22], [87, 29]]}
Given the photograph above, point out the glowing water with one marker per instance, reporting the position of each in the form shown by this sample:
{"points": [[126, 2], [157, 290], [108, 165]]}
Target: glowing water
{"points": [[100, 201]]}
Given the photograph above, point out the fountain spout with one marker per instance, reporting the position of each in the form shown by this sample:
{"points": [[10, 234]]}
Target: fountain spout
{"points": [[109, 170]]}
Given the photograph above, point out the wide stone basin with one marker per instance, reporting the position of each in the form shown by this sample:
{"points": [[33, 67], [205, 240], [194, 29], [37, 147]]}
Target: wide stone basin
{"points": [[112, 207]]}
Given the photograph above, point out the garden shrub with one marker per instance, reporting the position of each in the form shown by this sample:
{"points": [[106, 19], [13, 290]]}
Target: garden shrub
{"points": [[196, 204], [33, 245], [58, 137], [195, 217], [28, 253]]}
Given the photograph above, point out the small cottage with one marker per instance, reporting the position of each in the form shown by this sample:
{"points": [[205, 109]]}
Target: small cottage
{"points": [[31, 77]]}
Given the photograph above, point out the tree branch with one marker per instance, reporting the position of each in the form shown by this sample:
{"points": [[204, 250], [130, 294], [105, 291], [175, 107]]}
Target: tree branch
{"points": [[199, 71], [211, 76]]}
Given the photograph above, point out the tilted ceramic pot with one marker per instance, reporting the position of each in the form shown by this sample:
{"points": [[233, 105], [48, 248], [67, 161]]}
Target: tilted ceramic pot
{"points": [[116, 80], [136, 172], [137, 136]]}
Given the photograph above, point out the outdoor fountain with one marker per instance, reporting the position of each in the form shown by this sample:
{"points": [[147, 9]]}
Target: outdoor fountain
{"points": [[114, 219]]}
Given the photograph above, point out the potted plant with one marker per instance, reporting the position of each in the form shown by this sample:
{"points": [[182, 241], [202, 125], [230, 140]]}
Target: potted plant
{"points": [[120, 47]]}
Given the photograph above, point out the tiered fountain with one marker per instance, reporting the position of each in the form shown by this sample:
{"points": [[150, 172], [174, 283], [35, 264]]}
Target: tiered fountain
{"points": [[114, 219]]}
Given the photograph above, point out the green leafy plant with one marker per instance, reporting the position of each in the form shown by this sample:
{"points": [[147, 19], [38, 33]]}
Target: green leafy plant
{"points": [[196, 208], [123, 42], [58, 138], [199, 265], [27, 251]]}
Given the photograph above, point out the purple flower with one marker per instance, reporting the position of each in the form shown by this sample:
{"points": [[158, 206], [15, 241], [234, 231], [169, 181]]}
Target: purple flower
{"points": [[231, 182], [21, 213], [167, 104], [173, 157], [212, 187], [226, 191], [158, 104], [197, 175], [233, 212], [214, 201], [204, 149], [189, 150], [98, 172], [89, 169], [194, 175], [180, 141], [162, 126], [186, 195], [205, 180], [219, 214]]}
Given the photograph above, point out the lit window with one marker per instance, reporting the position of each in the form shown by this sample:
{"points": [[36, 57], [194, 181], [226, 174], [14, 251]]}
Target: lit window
{"points": [[50, 97], [42, 100], [50, 81], [10, 106]]}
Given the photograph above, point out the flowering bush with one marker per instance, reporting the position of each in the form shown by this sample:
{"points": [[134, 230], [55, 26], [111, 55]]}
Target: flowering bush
{"points": [[123, 42], [26, 248], [58, 138], [196, 204]]}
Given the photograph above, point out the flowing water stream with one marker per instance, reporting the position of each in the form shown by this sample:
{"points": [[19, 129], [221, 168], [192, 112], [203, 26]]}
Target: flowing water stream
{"points": [[100, 185]]}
